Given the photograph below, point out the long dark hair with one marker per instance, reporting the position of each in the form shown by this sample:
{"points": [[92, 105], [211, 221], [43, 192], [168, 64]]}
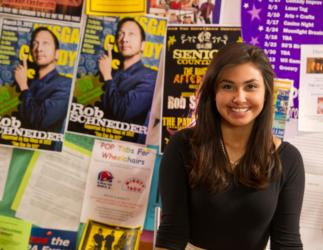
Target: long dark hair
{"points": [[210, 166]]}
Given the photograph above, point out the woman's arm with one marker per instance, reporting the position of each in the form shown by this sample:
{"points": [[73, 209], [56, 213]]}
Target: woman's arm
{"points": [[173, 230]]}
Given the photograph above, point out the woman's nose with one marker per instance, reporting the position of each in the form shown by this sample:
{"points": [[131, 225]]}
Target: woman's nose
{"points": [[239, 96]]}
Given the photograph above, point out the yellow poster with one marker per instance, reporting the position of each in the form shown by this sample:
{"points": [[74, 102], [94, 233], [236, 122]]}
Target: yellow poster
{"points": [[115, 7], [97, 235]]}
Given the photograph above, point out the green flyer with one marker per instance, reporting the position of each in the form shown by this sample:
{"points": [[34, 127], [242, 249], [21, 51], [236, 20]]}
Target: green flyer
{"points": [[14, 233]]}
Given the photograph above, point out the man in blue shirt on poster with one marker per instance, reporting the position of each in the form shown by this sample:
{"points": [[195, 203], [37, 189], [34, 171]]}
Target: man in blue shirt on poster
{"points": [[44, 99], [129, 90]]}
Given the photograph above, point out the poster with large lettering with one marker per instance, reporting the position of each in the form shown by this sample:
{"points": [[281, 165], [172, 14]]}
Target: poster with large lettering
{"points": [[36, 65], [189, 51], [63, 10], [116, 77]]}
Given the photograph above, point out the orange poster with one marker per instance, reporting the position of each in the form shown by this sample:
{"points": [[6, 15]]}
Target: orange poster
{"points": [[37, 5]]}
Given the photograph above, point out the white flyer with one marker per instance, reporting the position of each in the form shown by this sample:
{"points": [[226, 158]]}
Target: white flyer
{"points": [[312, 213], [310, 117], [5, 158], [311, 147], [118, 184], [52, 190], [311, 224]]}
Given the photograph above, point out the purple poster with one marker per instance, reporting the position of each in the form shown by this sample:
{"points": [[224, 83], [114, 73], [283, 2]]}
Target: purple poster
{"points": [[280, 27]]}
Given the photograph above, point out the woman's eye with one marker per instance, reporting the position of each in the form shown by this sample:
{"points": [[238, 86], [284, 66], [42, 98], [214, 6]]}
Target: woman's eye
{"points": [[252, 86], [226, 86]]}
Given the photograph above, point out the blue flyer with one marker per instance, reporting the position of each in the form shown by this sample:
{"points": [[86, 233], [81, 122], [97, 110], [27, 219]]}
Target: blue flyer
{"points": [[49, 239]]}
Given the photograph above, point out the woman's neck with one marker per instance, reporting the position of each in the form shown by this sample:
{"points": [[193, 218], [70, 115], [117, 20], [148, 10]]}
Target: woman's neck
{"points": [[235, 140]]}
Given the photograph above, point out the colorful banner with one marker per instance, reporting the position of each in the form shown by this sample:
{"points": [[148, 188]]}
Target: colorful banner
{"points": [[63, 10], [187, 11], [188, 53], [117, 107], [35, 82]]}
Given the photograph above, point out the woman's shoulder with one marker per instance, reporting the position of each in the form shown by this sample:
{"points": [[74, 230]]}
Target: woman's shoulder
{"points": [[291, 158], [183, 135], [288, 150], [180, 139]]}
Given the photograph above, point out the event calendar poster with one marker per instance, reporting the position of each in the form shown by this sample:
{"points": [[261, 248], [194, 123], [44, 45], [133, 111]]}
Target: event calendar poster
{"points": [[119, 107], [62, 10], [280, 27], [189, 50], [35, 117]]}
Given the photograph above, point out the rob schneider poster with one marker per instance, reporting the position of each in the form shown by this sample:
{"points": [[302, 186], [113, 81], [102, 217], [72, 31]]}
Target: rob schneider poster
{"points": [[116, 77], [36, 69]]}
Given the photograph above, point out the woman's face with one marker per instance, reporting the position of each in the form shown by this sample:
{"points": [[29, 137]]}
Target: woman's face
{"points": [[240, 95]]}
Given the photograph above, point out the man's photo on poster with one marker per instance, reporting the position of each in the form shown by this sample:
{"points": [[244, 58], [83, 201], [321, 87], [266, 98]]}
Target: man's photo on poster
{"points": [[36, 78], [116, 77], [129, 90], [44, 99]]}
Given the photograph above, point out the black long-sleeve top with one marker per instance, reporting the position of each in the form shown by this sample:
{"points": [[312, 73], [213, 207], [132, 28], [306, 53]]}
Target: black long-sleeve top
{"points": [[240, 218]]}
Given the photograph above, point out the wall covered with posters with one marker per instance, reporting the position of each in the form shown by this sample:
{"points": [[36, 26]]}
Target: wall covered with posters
{"points": [[84, 119]]}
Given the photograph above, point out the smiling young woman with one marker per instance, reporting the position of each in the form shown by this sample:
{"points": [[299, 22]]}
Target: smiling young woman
{"points": [[228, 183]]}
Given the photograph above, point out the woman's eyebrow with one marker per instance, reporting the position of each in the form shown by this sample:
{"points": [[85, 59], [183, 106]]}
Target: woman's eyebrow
{"points": [[230, 81], [251, 80], [226, 80]]}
